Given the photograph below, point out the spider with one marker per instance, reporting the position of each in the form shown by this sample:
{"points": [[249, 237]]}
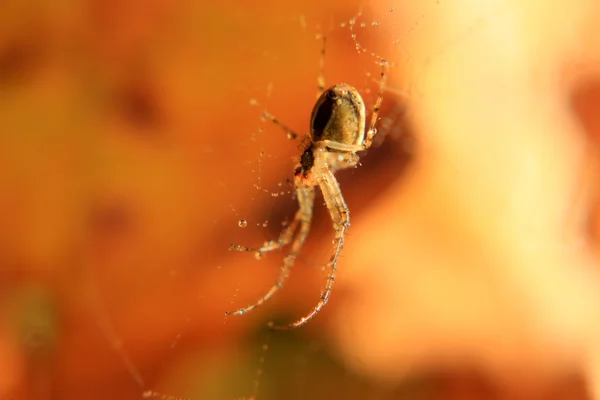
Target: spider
{"points": [[337, 133]]}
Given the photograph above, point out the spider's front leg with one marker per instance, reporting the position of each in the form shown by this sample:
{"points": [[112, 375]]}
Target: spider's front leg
{"points": [[306, 198]]}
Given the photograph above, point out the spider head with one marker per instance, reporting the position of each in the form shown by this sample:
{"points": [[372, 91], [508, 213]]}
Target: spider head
{"points": [[339, 117]]}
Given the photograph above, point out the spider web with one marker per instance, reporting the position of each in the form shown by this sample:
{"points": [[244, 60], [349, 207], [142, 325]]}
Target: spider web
{"points": [[124, 296]]}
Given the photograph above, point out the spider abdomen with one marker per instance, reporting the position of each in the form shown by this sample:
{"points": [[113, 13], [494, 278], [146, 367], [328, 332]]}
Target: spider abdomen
{"points": [[339, 117]]}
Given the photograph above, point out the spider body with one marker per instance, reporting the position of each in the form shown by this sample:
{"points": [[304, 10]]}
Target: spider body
{"points": [[337, 133], [307, 161]]}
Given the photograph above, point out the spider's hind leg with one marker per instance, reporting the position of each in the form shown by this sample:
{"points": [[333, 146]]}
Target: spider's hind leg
{"points": [[303, 217], [284, 239], [340, 216]]}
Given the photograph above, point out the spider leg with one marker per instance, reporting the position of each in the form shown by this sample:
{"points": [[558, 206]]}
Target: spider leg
{"points": [[284, 239], [290, 133], [375, 116], [306, 197], [321, 77], [340, 215]]}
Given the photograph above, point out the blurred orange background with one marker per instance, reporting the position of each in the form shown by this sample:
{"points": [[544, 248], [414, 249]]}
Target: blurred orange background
{"points": [[129, 152]]}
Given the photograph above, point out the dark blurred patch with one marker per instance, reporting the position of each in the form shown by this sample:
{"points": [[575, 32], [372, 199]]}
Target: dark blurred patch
{"points": [[19, 59], [137, 103], [111, 232], [109, 219], [585, 102], [464, 382], [110, 224]]}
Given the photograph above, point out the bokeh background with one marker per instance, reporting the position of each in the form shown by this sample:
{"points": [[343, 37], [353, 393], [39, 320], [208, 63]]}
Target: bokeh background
{"points": [[130, 150]]}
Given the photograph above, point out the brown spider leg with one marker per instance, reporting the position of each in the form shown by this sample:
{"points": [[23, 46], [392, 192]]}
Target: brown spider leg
{"points": [[306, 198], [340, 216], [321, 77], [290, 133], [375, 116]]}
